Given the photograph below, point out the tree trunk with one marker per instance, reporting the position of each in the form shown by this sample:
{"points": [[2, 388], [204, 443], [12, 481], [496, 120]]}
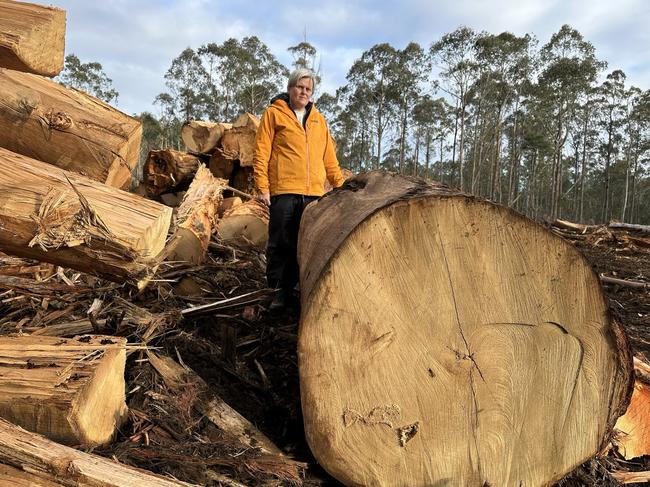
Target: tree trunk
{"points": [[238, 143], [248, 222], [32, 38], [168, 170], [432, 347], [69, 220], [197, 217], [71, 391], [202, 137], [44, 120], [66, 466]]}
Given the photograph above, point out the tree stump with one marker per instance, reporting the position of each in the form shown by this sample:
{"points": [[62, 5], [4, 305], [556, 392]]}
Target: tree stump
{"points": [[446, 340]]}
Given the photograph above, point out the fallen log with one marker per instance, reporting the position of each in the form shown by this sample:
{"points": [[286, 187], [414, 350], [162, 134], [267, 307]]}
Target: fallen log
{"points": [[168, 169], [32, 38], [629, 226], [68, 128], [446, 337], [202, 137], [238, 142], [197, 216], [246, 223], [52, 462], [14, 477], [71, 391], [214, 408], [227, 204], [69, 220], [633, 428]]}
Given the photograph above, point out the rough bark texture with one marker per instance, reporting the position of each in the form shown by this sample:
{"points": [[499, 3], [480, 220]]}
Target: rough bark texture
{"points": [[71, 391], [197, 216], [69, 220], [202, 137], [245, 223], [168, 169], [56, 463], [42, 119], [445, 338], [32, 38]]}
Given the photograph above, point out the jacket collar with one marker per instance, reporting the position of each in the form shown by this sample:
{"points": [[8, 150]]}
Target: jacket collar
{"points": [[282, 100]]}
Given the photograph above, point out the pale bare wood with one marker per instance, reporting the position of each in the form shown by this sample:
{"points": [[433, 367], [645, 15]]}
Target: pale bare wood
{"points": [[629, 226], [215, 409], [70, 390], [68, 128], [576, 227], [238, 143], [229, 203], [69, 329], [10, 476], [447, 339], [625, 282], [633, 428], [631, 477], [164, 170], [197, 216], [60, 217], [51, 461], [32, 38], [201, 136], [246, 223]]}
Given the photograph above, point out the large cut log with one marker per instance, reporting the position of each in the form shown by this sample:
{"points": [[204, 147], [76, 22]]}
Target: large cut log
{"points": [[633, 428], [168, 169], [238, 143], [245, 223], [202, 137], [65, 127], [60, 217], [32, 38], [197, 217], [446, 339], [60, 464], [70, 390]]}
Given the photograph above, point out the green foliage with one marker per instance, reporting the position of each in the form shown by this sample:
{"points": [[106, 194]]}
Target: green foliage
{"points": [[88, 77]]}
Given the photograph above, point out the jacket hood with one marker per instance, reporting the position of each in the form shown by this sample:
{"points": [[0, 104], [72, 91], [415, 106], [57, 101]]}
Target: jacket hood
{"points": [[285, 97]]}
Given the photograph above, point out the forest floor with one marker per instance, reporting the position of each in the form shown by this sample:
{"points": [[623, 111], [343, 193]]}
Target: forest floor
{"points": [[248, 357]]}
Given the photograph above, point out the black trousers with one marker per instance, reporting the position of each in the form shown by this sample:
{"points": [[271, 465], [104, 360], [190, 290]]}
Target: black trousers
{"points": [[281, 250]]}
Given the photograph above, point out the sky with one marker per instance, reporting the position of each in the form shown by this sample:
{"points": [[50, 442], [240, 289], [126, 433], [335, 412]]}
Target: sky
{"points": [[136, 40]]}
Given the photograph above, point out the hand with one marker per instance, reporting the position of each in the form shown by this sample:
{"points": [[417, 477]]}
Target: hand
{"points": [[265, 198]]}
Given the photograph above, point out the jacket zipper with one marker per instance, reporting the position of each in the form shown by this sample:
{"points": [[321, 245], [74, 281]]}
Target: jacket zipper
{"points": [[308, 171]]}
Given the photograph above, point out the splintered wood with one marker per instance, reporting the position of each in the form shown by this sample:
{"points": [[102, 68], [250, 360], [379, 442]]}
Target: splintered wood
{"points": [[166, 170], [197, 216], [55, 464], [71, 391], [66, 219], [32, 38], [444, 337], [67, 128]]}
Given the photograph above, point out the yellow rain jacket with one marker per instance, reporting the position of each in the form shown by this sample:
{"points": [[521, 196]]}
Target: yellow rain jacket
{"points": [[290, 158]]}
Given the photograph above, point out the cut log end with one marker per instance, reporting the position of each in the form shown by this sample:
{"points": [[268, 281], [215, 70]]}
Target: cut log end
{"points": [[480, 349], [245, 223]]}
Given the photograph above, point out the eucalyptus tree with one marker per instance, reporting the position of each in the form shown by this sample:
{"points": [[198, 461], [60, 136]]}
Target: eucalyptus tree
{"points": [[372, 84], [413, 65], [612, 108], [433, 121], [455, 56], [186, 81], [505, 68], [570, 68], [88, 77]]}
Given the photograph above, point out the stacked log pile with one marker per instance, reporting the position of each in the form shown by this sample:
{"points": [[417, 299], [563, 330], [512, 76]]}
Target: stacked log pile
{"points": [[442, 338]]}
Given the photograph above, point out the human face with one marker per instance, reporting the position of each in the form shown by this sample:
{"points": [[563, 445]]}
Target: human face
{"points": [[300, 94]]}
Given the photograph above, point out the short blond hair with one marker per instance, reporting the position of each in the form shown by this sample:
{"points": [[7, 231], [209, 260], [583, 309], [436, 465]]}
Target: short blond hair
{"points": [[299, 74]]}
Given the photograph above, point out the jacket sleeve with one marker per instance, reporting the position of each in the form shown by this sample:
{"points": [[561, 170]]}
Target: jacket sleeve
{"points": [[263, 146], [332, 168]]}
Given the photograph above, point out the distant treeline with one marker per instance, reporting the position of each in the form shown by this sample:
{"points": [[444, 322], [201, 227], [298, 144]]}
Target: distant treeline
{"points": [[546, 129]]}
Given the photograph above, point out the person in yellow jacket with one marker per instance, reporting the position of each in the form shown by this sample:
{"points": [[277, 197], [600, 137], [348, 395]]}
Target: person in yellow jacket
{"points": [[294, 154]]}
